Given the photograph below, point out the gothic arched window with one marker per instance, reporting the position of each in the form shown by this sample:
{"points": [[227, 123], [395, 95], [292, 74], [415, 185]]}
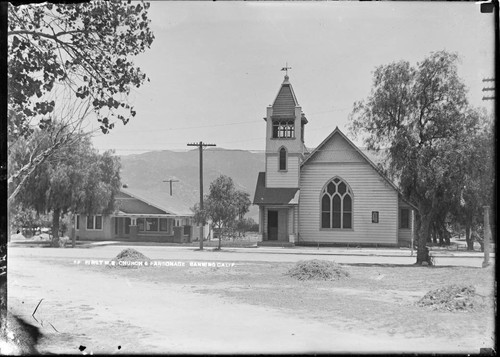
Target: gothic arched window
{"points": [[336, 205], [282, 159]]}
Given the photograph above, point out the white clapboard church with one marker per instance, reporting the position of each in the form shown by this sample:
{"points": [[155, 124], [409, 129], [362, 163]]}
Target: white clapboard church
{"points": [[332, 195]]}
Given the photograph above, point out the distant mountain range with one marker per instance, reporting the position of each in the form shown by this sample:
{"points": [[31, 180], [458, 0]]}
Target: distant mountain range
{"points": [[147, 171]]}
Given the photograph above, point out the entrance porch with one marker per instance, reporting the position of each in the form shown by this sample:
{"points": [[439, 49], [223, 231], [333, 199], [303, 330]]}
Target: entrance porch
{"points": [[278, 225]]}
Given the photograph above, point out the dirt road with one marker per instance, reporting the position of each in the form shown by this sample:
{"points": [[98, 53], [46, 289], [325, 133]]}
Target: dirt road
{"points": [[88, 307]]}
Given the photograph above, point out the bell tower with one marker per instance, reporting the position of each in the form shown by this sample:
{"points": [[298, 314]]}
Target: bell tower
{"points": [[285, 148]]}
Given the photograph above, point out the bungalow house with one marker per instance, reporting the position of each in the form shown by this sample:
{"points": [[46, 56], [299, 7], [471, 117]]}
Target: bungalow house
{"points": [[141, 216], [333, 194]]}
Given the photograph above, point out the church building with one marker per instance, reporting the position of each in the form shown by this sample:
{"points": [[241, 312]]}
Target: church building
{"points": [[332, 195]]}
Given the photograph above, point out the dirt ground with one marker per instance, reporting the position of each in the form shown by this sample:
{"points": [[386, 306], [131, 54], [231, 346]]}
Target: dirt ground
{"points": [[251, 307]]}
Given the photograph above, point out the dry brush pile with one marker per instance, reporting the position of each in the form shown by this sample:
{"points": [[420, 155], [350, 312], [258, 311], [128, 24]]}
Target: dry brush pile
{"points": [[316, 269], [452, 298], [129, 258]]}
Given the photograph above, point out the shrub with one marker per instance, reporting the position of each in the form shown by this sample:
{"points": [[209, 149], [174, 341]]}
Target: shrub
{"points": [[317, 270]]}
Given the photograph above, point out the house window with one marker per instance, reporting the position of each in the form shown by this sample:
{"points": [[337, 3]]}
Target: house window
{"points": [[116, 224], [283, 129], [140, 224], [336, 205], [282, 159], [187, 230], [151, 224], [164, 225], [127, 225], [94, 222], [98, 222], [77, 221], [404, 218], [374, 216]]}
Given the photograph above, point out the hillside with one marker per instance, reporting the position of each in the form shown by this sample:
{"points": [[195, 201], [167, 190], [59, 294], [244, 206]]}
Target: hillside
{"points": [[147, 171]]}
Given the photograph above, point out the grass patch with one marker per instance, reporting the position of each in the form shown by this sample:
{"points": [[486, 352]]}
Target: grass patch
{"points": [[316, 269], [452, 298]]}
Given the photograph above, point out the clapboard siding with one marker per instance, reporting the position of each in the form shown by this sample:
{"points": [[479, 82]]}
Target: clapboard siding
{"points": [[294, 224], [288, 178], [264, 231], [95, 234], [371, 192], [283, 225], [337, 150]]}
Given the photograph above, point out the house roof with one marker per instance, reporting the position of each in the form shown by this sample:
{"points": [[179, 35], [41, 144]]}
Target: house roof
{"points": [[131, 205], [143, 202], [277, 196], [285, 102], [363, 155]]}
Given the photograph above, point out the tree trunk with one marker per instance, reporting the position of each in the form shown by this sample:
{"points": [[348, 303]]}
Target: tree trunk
{"points": [[447, 236], [434, 234], [440, 232], [56, 242], [468, 238], [422, 237], [73, 230]]}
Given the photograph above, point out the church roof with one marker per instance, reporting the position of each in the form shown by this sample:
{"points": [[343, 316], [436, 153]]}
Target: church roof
{"points": [[275, 196], [363, 155], [285, 102]]}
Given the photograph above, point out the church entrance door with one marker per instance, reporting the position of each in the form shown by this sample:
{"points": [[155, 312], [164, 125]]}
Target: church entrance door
{"points": [[272, 225]]}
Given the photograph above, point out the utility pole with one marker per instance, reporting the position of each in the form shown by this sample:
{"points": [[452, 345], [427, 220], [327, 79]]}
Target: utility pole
{"points": [[485, 8], [491, 7], [486, 89], [486, 237], [200, 146], [171, 180]]}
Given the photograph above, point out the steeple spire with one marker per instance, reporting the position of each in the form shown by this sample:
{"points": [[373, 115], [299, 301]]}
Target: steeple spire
{"points": [[286, 68]]}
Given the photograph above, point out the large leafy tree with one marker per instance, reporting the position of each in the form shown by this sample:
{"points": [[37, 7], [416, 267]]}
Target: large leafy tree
{"points": [[474, 185], [223, 205], [419, 114], [67, 61], [76, 179], [242, 205]]}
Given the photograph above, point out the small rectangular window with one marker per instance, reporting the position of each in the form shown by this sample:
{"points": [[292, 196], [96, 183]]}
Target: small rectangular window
{"points": [[77, 221], [90, 222], [163, 224], [374, 216], [405, 218], [152, 224], [140, 224], [127, 225], [98, 222]]}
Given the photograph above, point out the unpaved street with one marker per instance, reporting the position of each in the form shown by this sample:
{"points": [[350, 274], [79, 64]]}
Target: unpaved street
{"points": [[87, 306]]}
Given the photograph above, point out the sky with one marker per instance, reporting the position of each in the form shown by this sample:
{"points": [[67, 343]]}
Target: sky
{"points": [[214, 67]]}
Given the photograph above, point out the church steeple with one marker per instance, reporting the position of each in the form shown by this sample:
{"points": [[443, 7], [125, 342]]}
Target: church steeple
{"points": [[285, 137]]}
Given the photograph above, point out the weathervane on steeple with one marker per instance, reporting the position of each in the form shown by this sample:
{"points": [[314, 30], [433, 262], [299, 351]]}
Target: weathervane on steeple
{"points": [[286, 68]]}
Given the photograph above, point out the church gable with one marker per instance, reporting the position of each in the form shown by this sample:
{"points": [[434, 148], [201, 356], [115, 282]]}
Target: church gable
{"points": [[335, 149]]}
